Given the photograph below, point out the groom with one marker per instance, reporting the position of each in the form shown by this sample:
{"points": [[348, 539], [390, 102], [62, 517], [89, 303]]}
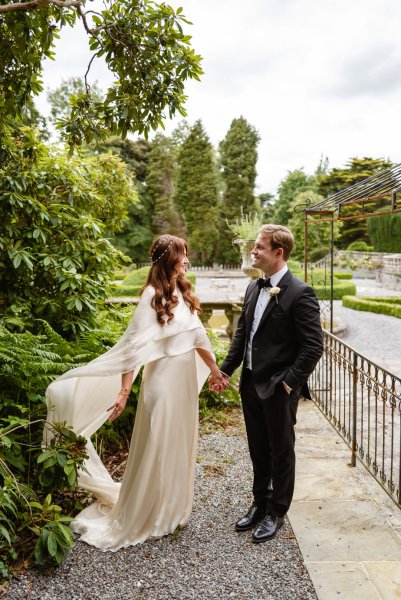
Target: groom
{"points": [[279, 342]]}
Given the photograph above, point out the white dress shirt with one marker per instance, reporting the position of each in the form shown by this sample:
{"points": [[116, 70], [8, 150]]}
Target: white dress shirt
{"points": [[262, 302]]}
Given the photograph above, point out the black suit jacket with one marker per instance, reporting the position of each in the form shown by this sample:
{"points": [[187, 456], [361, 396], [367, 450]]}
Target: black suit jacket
{"points": [[288, 342]]}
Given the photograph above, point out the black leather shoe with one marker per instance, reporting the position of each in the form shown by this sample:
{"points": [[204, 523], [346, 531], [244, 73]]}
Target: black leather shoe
{"points": [[253, 516], [267, 529]]}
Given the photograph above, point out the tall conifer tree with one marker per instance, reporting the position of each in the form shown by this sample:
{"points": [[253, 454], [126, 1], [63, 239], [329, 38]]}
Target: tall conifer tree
{"points": [[238, 158], [196, 196], [160, 187]]}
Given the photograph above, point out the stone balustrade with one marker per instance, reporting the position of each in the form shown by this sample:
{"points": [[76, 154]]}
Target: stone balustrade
{"points": [[232, 311], [390, 273]]}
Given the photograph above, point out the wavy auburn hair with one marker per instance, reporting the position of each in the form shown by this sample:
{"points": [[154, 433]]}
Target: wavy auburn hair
{"points": [[166, 252]]}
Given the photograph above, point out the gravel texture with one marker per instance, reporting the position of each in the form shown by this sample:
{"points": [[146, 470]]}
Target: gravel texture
{"points": [[206, 560]]}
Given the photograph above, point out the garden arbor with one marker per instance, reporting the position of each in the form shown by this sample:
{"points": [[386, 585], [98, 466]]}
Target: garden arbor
{"points": [[361, 399], [375, 196]]}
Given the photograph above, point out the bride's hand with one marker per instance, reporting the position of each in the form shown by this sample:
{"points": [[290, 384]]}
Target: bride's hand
{"points": [[118, 406], [216, 380]]}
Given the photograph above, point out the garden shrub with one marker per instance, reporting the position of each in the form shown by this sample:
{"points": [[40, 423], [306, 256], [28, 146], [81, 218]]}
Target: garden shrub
{"points": [[55, 259], [359, 246], [318, 253], [340, 289], [34, 503], [384, 306]]}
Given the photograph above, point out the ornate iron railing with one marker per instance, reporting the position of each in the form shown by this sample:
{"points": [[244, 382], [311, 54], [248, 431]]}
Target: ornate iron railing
{"points": [[363, 403]]}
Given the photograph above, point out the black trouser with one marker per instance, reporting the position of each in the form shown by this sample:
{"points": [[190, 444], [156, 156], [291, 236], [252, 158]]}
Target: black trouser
{"points": [[271, 439]]}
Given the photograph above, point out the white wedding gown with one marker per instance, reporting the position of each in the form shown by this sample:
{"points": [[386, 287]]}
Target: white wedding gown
{"points": [[156, 493]]}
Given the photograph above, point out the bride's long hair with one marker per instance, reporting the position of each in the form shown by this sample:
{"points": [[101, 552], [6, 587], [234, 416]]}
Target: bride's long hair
{"points": [[165, 253]]}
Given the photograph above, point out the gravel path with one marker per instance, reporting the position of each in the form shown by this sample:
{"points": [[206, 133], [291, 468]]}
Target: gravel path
{"points": [[206, 560]]}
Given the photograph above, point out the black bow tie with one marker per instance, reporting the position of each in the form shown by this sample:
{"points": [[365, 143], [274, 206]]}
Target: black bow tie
{"points": [[263, 283]]}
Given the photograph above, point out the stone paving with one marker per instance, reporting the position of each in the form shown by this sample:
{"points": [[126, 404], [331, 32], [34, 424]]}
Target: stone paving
{"points": [[347, 528]]}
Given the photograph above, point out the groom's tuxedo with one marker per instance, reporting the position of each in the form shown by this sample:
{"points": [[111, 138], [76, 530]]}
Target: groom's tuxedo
{"points": [[285, 347]]}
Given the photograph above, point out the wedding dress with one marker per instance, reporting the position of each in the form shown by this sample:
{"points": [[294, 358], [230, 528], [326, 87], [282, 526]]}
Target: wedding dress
{"points": [[156, 492]]}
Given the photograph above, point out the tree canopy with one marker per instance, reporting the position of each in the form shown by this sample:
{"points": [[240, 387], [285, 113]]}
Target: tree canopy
{"points": [[238, 158], [293, 184], [142, 42], [197, 192]]}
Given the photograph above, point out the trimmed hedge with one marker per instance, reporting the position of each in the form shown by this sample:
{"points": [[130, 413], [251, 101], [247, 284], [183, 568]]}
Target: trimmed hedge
{"points": [[383, 306], [342, 275], [341, 288], [134, 281]]}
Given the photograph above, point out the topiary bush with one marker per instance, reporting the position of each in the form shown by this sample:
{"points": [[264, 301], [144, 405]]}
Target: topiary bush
{"points": [[340, 289], [359, 246], [383, 306]]}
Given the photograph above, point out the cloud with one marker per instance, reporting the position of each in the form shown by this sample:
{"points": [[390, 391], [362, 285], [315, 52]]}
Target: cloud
{"points": [[374, 72]]}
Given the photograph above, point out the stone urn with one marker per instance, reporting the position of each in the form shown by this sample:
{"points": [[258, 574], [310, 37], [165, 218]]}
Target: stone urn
{"points": [[245, 247]]}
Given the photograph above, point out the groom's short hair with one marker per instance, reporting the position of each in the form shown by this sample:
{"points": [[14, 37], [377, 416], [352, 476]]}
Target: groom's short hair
{"points": [[280, 237]]}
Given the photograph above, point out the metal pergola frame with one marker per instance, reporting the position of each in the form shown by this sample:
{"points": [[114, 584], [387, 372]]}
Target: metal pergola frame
{"points": [[375, 196]]}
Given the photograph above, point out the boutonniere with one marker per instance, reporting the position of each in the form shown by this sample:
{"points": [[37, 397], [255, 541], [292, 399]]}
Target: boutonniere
{"points": [[274, 291]]}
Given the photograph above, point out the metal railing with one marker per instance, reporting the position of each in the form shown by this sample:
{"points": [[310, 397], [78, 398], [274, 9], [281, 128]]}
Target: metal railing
{"points": [[363, 403]]}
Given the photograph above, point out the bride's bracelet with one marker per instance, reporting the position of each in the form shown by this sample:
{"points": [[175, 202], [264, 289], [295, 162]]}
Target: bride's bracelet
{"points": [[124, 392]]}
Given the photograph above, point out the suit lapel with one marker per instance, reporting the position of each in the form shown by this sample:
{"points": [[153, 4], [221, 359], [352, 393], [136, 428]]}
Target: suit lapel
{"points": [[282, 284], [252, 303]]}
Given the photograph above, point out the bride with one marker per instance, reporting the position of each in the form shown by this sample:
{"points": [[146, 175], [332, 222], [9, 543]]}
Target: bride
{"points": [[167, 337]]}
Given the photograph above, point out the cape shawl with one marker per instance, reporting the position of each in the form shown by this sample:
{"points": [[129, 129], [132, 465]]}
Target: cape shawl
{"points": [[82, 395]]}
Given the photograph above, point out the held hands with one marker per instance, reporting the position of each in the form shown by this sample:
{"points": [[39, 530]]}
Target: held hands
{"points": [[118, 406], [218, 382]]}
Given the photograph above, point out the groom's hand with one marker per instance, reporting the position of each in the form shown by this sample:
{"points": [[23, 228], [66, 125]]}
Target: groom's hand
{"points": [[220, 383]]}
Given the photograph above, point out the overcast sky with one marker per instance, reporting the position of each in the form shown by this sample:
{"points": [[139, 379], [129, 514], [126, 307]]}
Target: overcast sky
{"points": [[315, 77]]}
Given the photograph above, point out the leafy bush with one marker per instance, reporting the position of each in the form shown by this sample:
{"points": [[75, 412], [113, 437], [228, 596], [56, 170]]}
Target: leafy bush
{"points": [[26, 507], [55, 261], [342, 275], [31, 521], [209, 400], [383, 306], [359, 246], [318, 253]]}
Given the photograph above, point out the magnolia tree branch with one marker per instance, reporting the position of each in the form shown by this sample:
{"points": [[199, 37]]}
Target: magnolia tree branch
{"points": [[4, 8]]}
